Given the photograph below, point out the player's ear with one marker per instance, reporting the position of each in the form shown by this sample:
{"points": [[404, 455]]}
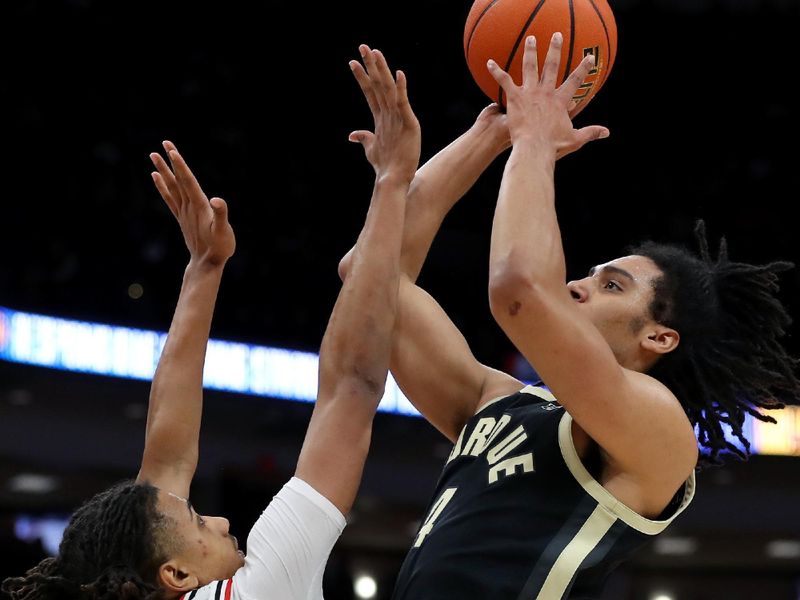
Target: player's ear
{"points": [[174, 576], [660, 339]]}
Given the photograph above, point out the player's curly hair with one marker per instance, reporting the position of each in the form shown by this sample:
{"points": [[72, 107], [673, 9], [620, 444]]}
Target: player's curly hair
{"points": [[730, 361], [111, 549]]}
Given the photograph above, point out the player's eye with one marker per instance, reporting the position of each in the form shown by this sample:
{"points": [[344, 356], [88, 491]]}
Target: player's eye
{"points": [[612, 285]]}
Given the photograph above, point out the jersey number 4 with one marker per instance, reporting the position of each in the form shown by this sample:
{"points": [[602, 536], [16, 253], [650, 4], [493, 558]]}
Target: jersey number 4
{"points": [[436, 511]]}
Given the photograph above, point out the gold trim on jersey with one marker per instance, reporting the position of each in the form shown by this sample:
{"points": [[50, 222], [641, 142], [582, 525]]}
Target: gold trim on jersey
{"points": [[606, 498], [571, 557], [528, 389], [540, 392]]}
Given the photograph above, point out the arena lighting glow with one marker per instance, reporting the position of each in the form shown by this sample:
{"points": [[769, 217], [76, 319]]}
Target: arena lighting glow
{"points": [[95, 348], [783, 549], [674, 546], [32, 483], [365, 587], [48, 529]]}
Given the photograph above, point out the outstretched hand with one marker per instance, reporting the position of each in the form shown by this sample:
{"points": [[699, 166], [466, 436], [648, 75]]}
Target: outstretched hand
{"points": [[394, 147], [538, 108], [204, 223]]}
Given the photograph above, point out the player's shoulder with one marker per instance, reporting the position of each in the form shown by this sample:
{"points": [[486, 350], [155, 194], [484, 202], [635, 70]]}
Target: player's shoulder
{"points": [[671, 416], [647, 388]]}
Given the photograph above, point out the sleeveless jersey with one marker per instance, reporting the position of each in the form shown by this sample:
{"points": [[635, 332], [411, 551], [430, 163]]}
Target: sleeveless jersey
{"points": [[517, 516]]}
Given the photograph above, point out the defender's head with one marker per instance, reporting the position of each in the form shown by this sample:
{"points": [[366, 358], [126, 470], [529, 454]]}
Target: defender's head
{"points": [[132, 541]]}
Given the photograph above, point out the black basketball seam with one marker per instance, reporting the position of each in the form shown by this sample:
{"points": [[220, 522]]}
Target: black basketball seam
{"points": [[517, 43], [568, 67], [477, 21], [608, 42]]}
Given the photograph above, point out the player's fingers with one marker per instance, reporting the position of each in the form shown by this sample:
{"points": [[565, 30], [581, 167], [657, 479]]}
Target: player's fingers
{"points": [[220, 208], [366, 56], [167, 177], [500, 76], [365, 138], [402, 97], [384, 82], [365, 84], [162, 189], [369, 58], [591, 133], [553, 60], [361, 137], [576, 78], [573, 104], [384, 72], [186, 179], [530, 62]]}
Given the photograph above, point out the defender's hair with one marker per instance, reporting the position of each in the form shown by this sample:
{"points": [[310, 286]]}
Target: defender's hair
{"points": [[730, 361], [111, 549]]}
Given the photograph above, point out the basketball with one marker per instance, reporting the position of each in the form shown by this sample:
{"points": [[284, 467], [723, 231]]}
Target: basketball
{"points": [[497, 29]]}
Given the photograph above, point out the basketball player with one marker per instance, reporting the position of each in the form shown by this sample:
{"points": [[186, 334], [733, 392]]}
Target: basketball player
{"points": [[144, 539], [548, 488]]}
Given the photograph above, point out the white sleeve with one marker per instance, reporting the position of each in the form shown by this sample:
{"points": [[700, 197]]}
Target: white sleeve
{"points": [[288, 547]]}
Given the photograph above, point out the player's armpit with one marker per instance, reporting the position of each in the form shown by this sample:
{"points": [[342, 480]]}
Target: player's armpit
{"points": [[434, 366]]}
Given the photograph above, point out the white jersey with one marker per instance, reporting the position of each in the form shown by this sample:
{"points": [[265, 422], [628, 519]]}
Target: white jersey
{"points": [[287, 550]]}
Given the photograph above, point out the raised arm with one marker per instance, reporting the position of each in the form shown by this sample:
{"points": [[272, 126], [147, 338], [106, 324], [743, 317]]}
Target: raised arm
{"points": [[176, 395], [354, 356], [431, 360], [444, 179], [632, 417]]}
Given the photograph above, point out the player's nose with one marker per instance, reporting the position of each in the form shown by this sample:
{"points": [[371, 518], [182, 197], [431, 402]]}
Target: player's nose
{"points": [[578, 290], [222, 524]]}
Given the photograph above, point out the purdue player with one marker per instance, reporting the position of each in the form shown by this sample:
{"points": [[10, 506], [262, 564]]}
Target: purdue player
{"points": [[548, 488], [144, 539]]}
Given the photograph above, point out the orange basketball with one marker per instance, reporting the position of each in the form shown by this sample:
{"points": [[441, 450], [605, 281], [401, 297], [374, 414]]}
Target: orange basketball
{"points": [[497, 29]]}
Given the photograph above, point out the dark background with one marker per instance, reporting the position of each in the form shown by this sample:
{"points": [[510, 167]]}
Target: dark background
{"points": [[259, 99]]}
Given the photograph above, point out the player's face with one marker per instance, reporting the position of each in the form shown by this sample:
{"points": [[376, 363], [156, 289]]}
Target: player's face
{"points": [[616, 297], [207, 550]]}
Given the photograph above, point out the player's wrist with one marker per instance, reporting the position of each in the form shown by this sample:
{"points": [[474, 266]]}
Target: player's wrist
{"points": [[394, 178], [205, 265], [536, 146], [491, 134]]}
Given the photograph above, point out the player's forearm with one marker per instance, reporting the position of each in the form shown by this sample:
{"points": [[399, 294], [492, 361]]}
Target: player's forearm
{"points": [[526, 241], [176, 395], [440, 183], [357, 342]]}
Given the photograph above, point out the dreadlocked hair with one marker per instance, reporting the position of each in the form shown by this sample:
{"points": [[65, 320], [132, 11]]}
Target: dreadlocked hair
{"points": [[111, 549], [729, 362]]}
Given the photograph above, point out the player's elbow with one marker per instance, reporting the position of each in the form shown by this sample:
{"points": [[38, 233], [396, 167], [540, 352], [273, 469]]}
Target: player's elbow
{"points": [[511, 290], [353, 384], [368, 383], [344, 265]]}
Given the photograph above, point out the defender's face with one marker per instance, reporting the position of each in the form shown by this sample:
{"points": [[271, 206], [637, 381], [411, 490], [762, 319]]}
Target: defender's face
{"points": [[616, 297], [208, 550]]}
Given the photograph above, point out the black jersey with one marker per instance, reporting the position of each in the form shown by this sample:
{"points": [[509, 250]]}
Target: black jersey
{"points": [[516, 515]]}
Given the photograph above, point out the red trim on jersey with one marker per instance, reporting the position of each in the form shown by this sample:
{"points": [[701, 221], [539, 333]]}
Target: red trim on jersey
{"points": [[228, 589]]}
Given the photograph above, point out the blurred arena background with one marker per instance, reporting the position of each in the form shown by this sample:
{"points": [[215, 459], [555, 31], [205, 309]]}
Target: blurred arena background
{"points": [[701, 109]]}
